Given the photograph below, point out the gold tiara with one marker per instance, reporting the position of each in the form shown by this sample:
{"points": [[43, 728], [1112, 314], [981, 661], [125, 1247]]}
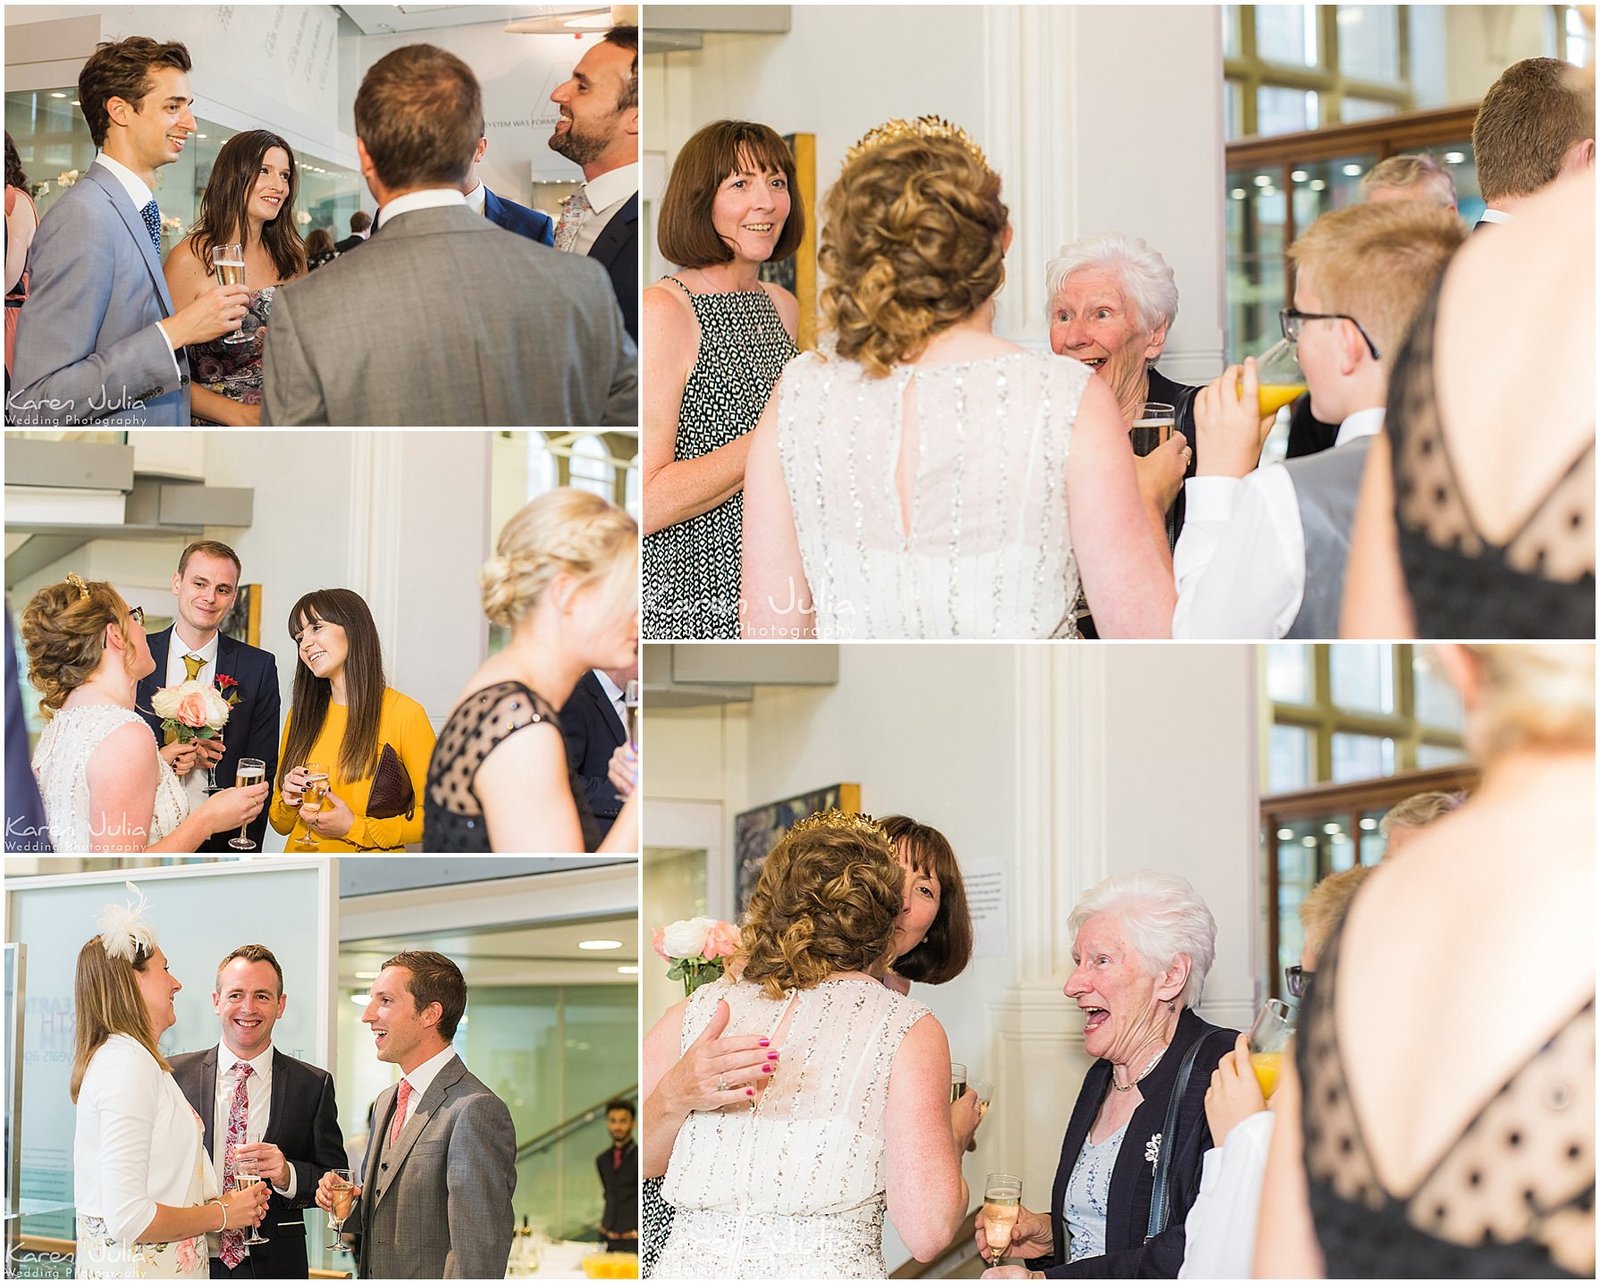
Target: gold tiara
{"points": [[892, 131], [76, 580], [833, 818]]}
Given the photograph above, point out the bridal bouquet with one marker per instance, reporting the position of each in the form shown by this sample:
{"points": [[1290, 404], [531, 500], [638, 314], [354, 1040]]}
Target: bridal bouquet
{"points": [[192, 710], [697, 948]]}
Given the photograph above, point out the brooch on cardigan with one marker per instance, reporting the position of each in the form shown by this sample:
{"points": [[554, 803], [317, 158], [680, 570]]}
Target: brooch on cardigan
{"points": [[1152, 1149]]}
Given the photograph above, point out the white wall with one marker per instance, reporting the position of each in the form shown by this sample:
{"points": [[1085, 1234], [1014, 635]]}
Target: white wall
{"points": [[1064, 764]]}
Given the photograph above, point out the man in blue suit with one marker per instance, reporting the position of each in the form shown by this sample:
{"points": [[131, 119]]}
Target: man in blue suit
{"points": [[206, 585], [507, 214], [599, 130], [98, 340]]}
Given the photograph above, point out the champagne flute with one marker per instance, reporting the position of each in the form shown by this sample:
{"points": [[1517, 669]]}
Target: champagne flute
{"points": [[316, 791], [985, 1090], [1153, 427], [246, 1175], [250, 771], [958, 1081], [1269, 1036], [342, 1189], [630, 702], [1002, 1205], [227, 262]]}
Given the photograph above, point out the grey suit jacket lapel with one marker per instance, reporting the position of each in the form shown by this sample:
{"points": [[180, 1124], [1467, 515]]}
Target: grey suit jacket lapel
{"points": [[134, 221], [449, 1075]]}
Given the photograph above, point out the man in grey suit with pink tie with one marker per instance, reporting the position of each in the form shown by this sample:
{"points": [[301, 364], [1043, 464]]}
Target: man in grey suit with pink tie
{"points": [[434, 1196], [98, 340]]}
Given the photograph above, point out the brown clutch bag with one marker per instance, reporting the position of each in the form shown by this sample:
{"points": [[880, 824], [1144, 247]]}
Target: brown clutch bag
{"points": [[392, 794]]}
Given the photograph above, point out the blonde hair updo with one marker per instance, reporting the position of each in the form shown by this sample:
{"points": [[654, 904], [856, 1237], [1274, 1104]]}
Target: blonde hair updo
{"points": [[913, 241], [63, 627], [1532, 696], [563, 530]]}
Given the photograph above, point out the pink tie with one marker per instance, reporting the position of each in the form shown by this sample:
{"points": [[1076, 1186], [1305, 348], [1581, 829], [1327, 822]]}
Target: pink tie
{"points": [[238, 1118], [400, 1111]]}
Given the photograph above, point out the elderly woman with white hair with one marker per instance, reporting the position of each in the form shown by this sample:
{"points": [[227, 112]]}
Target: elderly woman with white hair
{"points": [[1130, 1164]]}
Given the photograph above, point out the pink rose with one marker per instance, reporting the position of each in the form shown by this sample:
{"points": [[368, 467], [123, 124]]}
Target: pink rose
{"points": [[722, 941], [657, 938], [192, 710]]}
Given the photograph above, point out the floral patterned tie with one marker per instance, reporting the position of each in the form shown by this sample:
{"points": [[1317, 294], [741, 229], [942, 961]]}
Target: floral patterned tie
{"points": [[238, 1118], [192, 664], [573, 209], [399, 1123]]}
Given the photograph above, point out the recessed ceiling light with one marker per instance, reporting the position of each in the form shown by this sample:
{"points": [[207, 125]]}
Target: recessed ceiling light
{"points": [[629, 969], [1454, 158], [1352, 171], [1286, 834], [1318, 184], [1332, 827], [360, 1000], [1299, 176], [58, 95], [1261, 180], [366, 976], [599, 945], [1310, 840], [1368, 823]]}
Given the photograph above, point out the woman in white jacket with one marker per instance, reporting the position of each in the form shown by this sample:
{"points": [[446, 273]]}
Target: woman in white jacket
{"points": [[146, 1192]]}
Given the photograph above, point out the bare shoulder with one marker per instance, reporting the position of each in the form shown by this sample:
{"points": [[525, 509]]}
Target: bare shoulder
{"points": [[788, 306]]}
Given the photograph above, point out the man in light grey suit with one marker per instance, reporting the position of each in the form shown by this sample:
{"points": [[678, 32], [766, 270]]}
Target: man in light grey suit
{"points": [[443, 318], [434, 1200], [98, 341]]}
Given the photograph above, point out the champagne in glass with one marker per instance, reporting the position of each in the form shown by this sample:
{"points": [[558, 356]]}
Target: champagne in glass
{"points": [[227, 263], [316, 792], [985, 1090], [343, 1190], [1269, 1036], [958, 1081], [1002, 1204], [1153, 427], [250, 771], [244, 1177], [630, 702]]}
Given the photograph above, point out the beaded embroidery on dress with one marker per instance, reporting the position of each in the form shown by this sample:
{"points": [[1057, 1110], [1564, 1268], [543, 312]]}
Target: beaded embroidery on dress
{"points": [[984, 550], [792, 1186], [62, 764]]}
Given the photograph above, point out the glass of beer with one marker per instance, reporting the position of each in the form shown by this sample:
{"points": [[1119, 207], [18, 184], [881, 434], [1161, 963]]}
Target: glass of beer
{"points": [[958, 1081], [1280, 378], [1002, 1203], [1153, 427], [227, 264], [250, 771], [246, 1175], [316, 791], [1269, 1036], [343, 1190]]}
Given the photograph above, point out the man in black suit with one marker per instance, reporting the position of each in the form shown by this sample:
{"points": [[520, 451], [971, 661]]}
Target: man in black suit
{"points": [[206, 585], [593, 724], [498, 210], [599, 130], [618, 1166], [260, 1106], [360, 225]]}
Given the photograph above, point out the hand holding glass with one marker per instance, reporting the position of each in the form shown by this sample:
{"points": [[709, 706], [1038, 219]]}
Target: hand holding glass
{"points": [[1269, 1036], [245, 1175], [1280, 378], [250, 771], [1153, 427], [314, 796], [1002, 1204], [227, 262], [342, 1189]]}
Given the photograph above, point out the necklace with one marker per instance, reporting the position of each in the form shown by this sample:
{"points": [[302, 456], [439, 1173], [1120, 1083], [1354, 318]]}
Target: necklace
{"points": [[1129, 1087]]}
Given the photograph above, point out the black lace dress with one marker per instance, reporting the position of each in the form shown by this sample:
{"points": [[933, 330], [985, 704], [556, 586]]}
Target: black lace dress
{"points": [[1539, 583], [484, 720], [1513, 1197]]}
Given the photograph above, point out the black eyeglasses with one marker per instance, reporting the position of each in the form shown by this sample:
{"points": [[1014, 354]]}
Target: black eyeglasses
{"points": [[1298, 980], [1292, 318], [136, 614]]}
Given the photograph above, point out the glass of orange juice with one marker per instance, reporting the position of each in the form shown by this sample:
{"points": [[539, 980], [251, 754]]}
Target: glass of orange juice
{"points": [[1269, 1037], [1281, 379]]}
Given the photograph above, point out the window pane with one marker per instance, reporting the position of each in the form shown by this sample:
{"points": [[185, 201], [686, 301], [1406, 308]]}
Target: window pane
{"points": [[1341, 847], [1297, 874], [1437, 702], [1285, 111], [1233, 110], [590, 466], [1439, 755], [1287, 33], [1288, 759], [1288, 672], [1351, 109], [1369, 42], [1362, 677], [1230, 31], [1361, 757], [1320, 186], [1372, 842]]}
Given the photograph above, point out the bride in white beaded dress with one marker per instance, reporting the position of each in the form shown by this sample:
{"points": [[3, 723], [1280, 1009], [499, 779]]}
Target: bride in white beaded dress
{"points": [[104, 783], [789, 1109], [925, 478]]}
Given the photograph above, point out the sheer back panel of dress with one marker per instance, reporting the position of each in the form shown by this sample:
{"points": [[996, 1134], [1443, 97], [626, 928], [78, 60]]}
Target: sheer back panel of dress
{"points": [[980, 547]]}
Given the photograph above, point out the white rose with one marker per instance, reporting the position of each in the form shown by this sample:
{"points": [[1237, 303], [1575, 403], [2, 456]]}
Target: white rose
{"points": [[686, 938], [165, 701]]}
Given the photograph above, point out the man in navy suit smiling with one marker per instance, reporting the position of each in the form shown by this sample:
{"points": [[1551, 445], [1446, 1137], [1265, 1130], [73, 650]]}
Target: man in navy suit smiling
{"points": [[206, 585]]}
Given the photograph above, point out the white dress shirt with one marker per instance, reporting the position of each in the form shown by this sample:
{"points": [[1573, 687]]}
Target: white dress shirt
{"points": [[1220, 1232], [1492, 215], [258, 1091], [194, 784], [420, 1079], [614, 693], [1241, 560], [140, 194], [607, 194], [476, 199], [427, 199]]}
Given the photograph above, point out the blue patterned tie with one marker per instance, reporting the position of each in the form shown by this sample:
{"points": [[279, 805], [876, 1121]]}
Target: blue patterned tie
{"points": [[152, 223]]}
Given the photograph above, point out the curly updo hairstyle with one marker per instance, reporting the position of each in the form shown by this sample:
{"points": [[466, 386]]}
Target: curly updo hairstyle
{"points": [[562, 530], [826, 902], [913, 241], [64, 627]]}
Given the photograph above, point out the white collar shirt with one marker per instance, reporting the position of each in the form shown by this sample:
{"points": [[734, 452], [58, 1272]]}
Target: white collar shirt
{"points": [[427, 199], [421, 1079], [140, 194], [476, 199], [258, 1089], [607, 193], [194, 784], [614, 693]]}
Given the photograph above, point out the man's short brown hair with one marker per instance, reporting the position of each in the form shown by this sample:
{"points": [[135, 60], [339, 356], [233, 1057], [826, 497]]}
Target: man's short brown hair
{"points": [[1419, 176], [684, 229], [435, 979], [419, 113], [627, 37], [250, 954], [121, 69], [211, 548], [1525, 124], [1326, 904], [1377, 263]]}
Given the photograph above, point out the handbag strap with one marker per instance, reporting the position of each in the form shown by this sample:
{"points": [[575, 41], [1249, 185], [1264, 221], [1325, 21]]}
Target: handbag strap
{"points": [[1160, 1198]]}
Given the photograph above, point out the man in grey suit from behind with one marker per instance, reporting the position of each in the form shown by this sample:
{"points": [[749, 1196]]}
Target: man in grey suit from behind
{"points": [[434, 1199], [443, 318], [98, 341]]}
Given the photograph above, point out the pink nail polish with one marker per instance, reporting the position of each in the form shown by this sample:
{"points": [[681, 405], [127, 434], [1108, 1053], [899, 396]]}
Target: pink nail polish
{"points": [[749, 1092], [764, 1042]]}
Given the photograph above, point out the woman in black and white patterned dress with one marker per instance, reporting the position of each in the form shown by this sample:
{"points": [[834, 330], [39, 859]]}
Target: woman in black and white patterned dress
{"points": [[716, 340]]}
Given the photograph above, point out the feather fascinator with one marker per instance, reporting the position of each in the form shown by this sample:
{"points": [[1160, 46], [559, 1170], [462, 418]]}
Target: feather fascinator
{"points": [[123, 930]]}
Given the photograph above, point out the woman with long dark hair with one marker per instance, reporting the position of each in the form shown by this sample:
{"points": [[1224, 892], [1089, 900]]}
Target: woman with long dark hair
{"points": [[22, 221], [249, 200], [355, 752]]}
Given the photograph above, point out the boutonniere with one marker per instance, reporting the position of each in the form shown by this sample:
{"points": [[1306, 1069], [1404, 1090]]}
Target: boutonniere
{"points": [[1152, 1150], [228, 688]]}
